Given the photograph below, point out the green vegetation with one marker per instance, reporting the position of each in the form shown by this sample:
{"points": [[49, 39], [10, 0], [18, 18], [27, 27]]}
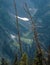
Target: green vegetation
{"points": [[24, 59]]}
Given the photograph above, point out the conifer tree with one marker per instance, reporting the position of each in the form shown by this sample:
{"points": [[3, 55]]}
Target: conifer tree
{"points": [[24, 59], [37, 59]]}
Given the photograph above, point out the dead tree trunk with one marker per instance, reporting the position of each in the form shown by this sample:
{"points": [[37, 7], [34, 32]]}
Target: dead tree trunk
{"points": [[18, 28], [35, 34]]}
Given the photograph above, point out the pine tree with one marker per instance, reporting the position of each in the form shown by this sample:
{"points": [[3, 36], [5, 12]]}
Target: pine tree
{"points": [[37, 60], [24, 59]]}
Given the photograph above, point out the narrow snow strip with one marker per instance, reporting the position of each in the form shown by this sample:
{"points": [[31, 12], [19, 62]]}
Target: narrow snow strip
{"points": [[21, 18]]}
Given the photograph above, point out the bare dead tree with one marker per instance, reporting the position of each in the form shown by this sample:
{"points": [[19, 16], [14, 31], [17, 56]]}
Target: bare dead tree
{"points": [[35, 36], [19, 40]]}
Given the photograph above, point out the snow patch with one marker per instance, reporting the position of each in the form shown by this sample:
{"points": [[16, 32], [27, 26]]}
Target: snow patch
{"points": [[12, 36]]}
